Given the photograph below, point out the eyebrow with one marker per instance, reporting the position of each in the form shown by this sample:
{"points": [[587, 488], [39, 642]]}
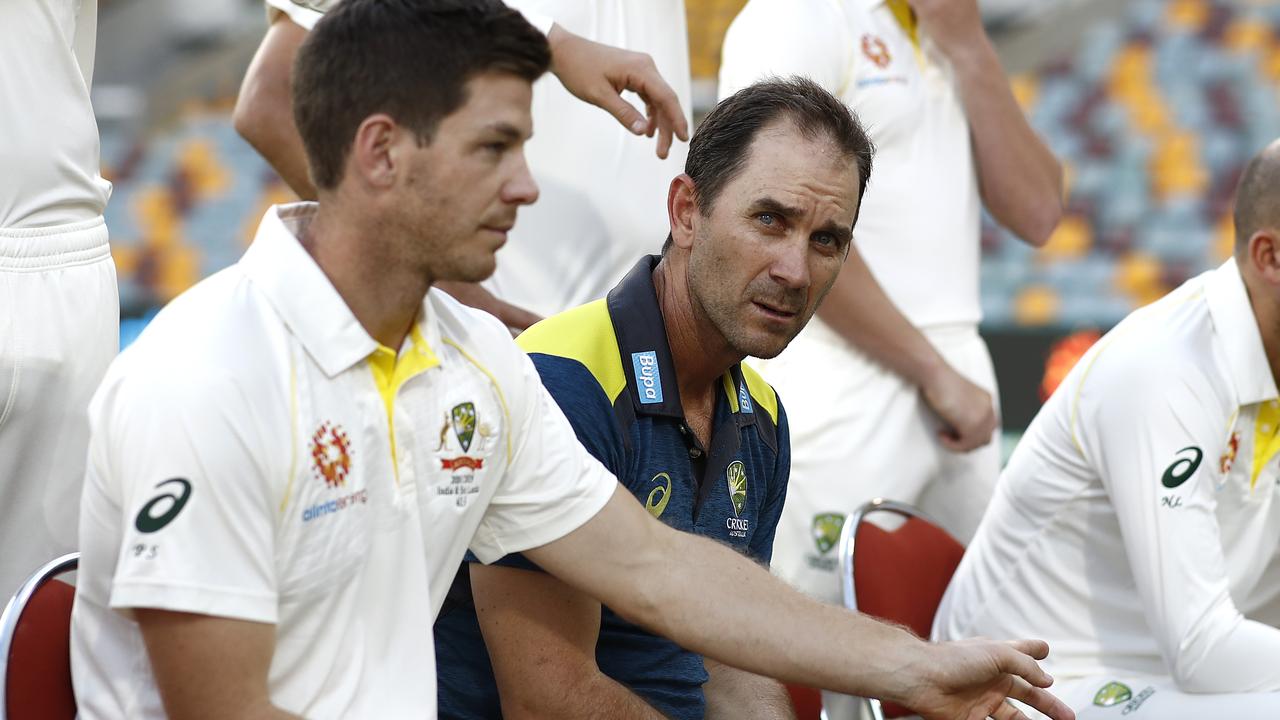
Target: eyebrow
{"points": [[770, 205], [507, 130]]}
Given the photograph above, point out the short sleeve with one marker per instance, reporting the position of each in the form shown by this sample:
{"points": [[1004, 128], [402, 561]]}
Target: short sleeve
{"points": [[762, 540], [304, 14], [196, 509], [1154, 434], [552, 485], [783, 38]]}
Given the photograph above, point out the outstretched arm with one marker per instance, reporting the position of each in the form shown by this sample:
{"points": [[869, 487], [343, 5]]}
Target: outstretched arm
{"points": [[541, 636], [675, 584], [1019, 177]]}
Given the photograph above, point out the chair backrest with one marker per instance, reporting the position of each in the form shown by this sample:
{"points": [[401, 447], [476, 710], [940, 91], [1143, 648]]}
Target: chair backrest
{"points": [[807, 702], [35, 647], [899, 575]]}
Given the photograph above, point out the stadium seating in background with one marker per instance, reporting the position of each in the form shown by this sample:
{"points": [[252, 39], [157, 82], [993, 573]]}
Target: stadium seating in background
{"points": [[1154, 118]]}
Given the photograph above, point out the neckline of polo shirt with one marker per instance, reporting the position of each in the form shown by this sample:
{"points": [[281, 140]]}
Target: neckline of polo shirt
{"points": [[639, 327], [1238, 333], [302, 294]]}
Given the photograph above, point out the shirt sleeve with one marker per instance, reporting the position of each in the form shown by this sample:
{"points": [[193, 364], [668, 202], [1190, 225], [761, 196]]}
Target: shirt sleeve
{"points": [[306, 14], [783, 38], [762, 540], [1155, 436], [551, 486], [197, 513]]}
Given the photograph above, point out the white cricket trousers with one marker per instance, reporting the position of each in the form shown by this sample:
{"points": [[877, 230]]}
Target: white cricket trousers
{"points": [[59, 329]]}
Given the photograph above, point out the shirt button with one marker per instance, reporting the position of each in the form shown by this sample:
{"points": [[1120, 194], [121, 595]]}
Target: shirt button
{"points": [[694, 453]]}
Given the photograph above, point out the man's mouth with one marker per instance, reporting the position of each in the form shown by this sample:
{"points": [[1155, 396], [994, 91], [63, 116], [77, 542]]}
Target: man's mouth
{"points": [[777, 310]]}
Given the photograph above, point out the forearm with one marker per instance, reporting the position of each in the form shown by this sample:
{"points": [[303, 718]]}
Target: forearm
{"points": [[777, 632], [594, 696], [264, 113], [1241, 661], [1020, 179], [734, 694], [858, 310]]}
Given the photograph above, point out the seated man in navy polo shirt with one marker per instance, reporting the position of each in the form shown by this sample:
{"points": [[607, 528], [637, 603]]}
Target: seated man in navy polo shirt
{"points": [[652, 381]]}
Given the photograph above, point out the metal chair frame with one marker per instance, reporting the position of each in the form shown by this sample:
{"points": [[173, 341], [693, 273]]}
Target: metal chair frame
{"points": [[848, 534], [13, 613]]}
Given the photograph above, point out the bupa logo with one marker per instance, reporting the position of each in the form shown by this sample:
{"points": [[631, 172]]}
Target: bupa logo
{"points": [[648, 379], [744, 399]]}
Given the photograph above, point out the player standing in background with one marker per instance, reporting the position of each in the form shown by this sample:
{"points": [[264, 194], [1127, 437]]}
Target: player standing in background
{"points": [[601, 190], [1137, 525], [59, 305], [652, 380], [288, 465], [880, 408]]}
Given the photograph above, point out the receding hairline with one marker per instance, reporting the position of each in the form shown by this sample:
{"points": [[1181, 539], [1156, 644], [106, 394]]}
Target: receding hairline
{"points": [[1257, 202]]}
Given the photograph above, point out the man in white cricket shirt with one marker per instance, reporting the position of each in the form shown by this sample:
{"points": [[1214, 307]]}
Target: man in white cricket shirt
{"points": [[882, 408], [288, 465], [59, 306], [600, 190], [1137, 525]]}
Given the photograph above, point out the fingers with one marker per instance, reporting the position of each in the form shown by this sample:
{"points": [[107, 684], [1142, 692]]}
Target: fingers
{"points": [[625, 113], [1007, 711], [1040, 699], [1016, 662], [1037, 649], [663, 102]]}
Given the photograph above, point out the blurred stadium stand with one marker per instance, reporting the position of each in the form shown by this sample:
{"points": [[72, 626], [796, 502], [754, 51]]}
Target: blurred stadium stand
{"points": [[1153, 105]]}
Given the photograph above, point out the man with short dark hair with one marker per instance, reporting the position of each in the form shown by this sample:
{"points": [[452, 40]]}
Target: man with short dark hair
{"points": [[1150, 477], [288, 465], [652, 381]]}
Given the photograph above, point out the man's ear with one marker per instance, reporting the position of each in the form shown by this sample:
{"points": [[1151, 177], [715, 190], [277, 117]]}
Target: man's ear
{"points": [[373, 158], [1264, 255], [682, 208]]}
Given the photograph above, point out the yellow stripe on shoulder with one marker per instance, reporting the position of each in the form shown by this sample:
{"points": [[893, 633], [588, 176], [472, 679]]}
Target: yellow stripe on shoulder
{"points": [[761, 392], [585, 334]]}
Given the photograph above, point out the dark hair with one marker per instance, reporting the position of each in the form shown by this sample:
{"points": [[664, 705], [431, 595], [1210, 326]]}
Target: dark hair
{"points": [[1256, 204], [410, 59], [720, 145]]}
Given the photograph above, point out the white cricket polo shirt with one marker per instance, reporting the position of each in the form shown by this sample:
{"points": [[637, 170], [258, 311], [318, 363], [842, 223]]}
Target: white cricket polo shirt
{"points": [[1137, 519], [602, 190], [48, 135], [919, 224], [241, 465]]}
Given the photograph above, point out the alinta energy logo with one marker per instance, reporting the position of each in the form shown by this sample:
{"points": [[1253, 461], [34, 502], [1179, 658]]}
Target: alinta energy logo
{"points": [[876, 51], [331, 454], [331, 462]]}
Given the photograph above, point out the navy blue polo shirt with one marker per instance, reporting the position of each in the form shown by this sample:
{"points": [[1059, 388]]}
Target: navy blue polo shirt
{"points": [[609, 367]]}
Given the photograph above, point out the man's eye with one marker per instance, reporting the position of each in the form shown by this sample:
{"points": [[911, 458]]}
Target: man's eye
{"points": [[765, 218], [497, 147], [825, 239]]}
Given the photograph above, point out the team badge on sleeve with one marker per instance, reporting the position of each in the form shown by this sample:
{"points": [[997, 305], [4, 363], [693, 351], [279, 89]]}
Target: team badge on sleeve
{"points": [[826, 531], [736, 478], [1113, 693]]}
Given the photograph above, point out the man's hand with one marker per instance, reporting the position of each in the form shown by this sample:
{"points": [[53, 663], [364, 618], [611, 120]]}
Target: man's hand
{"points": [[955, 25], [598, 74], [971, 679], [967, 413]]}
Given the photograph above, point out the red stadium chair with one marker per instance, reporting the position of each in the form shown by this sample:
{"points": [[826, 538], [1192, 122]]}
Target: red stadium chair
{"points": [[807, 702], [897, 575], [35, 647]]}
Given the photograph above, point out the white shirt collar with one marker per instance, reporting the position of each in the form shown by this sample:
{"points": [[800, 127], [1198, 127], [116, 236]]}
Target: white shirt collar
{"points": [[302, 294], [1238, 335]]}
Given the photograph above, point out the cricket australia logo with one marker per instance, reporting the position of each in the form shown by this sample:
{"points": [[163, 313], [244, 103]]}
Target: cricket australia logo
{"points": [[736, 478], [331, 454], [463, 419], [826, 531]]}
